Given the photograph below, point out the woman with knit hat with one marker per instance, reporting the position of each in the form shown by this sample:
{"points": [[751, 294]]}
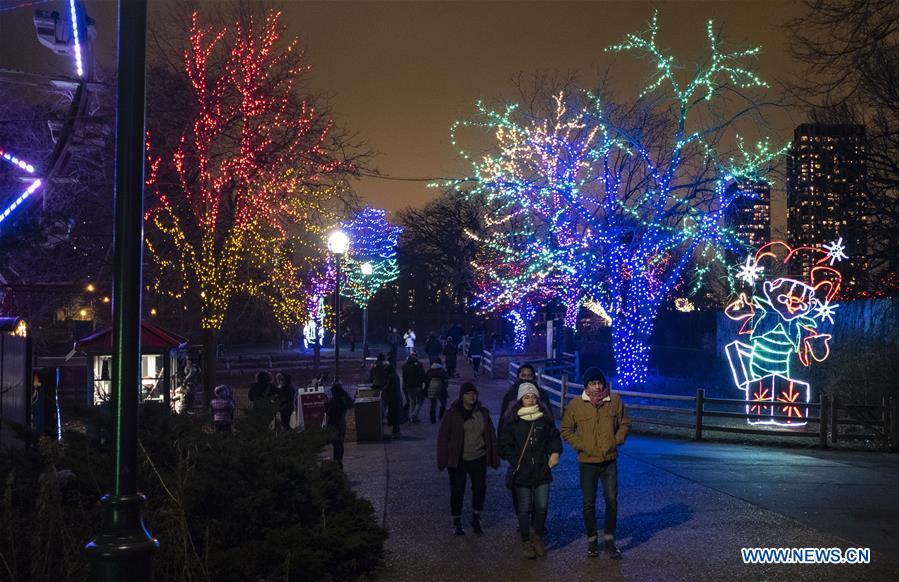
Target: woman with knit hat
{"points": [[595, 425], [531, 445], [466, 444]]}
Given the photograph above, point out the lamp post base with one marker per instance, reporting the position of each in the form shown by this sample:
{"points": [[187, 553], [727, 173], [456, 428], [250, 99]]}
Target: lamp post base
{"points": [[124, 549]]}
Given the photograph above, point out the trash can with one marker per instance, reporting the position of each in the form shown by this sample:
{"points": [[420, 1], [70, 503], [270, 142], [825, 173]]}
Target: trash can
{"points": [[369, 416]]}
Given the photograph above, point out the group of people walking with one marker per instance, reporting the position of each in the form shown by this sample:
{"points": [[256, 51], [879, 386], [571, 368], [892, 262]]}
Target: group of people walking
{"points": [[594, 425]]}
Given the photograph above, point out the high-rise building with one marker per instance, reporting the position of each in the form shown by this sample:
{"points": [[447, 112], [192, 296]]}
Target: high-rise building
{"points": [[827, 195], [750, 214]]}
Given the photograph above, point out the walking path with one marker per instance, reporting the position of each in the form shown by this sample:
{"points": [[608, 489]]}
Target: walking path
{"points": [[685, 510]]}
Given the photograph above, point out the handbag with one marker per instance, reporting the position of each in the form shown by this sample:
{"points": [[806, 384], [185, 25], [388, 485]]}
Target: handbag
{"points": [[510, 473]]}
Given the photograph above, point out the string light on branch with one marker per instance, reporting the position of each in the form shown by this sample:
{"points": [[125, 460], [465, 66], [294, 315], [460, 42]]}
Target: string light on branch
{"points": [[591, 202], [240, 206]]}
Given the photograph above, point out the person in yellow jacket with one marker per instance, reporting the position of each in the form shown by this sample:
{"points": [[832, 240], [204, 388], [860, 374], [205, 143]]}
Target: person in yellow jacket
{"points": [[595, 425]]}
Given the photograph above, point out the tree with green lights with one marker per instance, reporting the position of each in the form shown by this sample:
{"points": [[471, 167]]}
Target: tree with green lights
{"points": [[611, 202]]}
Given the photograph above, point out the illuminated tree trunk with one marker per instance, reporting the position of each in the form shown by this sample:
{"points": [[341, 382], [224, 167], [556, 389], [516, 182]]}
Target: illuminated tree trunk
{"points": [[630, 341], [210, 345]]}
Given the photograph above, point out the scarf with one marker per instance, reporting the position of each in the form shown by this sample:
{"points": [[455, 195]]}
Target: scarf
{"points": [[530, 413], [596, 397]]}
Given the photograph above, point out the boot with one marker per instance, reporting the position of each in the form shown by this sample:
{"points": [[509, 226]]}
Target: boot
{"points": [[476, 524], [528, 551], [612, 550], [457, 527], [539, 548], [592, 548]]}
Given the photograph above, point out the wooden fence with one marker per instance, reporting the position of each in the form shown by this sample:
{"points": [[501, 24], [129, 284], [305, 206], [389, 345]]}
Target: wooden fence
{"points": [[820, 420]]}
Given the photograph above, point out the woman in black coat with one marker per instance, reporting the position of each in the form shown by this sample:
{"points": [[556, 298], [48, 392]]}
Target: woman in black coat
{"points": [[531, 444]]}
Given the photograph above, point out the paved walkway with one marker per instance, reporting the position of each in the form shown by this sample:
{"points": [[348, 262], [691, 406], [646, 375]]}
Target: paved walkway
{"points": [[685, 510]]}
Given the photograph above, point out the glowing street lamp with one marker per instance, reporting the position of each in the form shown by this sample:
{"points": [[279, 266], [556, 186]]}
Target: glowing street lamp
{"points": [[338, 244]]}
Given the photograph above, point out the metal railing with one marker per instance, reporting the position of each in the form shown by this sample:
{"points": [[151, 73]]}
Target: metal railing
{"points": [[820, 420]]}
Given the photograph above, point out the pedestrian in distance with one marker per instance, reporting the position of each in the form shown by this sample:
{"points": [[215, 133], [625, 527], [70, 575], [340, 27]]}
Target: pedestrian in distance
{"points": [[409, 340], [466, 445], [393, 393], [451, 356], [286, 397], [413, 384], [336, 408], [476, 352], [595, 425], [262, 390], [437, 381], [377, 376], [532, 446], [393, 340], [433, 348], [222, 407]]}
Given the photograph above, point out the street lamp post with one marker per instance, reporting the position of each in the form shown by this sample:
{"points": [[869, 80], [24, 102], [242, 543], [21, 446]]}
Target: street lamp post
{"points": [[123, 548], [366, 269], [338, 243]]}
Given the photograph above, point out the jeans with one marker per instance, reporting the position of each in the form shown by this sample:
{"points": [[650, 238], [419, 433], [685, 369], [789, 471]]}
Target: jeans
{"points": [[591, 474], [532, 503], [415, 400], [475, 470], [434, 416], [476, 363]]}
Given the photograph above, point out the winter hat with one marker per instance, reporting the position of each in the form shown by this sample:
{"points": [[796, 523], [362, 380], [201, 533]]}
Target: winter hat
{"points": [[223, 391], [526, 388], [466, 388], [591, 374]]}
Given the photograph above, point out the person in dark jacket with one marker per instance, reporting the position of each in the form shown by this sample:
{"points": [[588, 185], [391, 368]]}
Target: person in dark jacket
{"points": [[222, 408], [393, 394], [532, 446], [466, 445], [526, 373], [437, 383], [393, 338], [413, 383], [286, 397], [476, 352], [433, 348], [262, 390], [451, 355], [336, 408], [377, 376]]}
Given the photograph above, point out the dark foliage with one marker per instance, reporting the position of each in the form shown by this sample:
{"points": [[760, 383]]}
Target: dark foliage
{"points": [[253, 505]]}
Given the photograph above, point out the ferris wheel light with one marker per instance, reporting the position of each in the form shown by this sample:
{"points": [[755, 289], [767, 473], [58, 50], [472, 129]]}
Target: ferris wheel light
{"points": [[77, 41], [34, 186]]}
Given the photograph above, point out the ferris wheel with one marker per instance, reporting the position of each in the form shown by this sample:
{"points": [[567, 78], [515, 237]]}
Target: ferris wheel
{"points": [[63, 27]]}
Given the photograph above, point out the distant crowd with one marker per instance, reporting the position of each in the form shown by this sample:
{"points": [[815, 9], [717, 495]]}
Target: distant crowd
{"points": [[526, 436]]}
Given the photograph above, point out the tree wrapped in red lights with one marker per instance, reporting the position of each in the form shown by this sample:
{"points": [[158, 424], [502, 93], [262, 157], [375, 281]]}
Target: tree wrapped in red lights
{"points": [[244, 195], [589, 200]]}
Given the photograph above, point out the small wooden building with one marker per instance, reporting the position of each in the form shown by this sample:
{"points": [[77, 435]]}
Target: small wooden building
{"points": [[159, 363]]}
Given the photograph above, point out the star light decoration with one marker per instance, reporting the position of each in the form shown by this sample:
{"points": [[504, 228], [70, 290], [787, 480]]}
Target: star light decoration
{"points": [[750, 272], [835, 251], [565, 219], [241, 205]]}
